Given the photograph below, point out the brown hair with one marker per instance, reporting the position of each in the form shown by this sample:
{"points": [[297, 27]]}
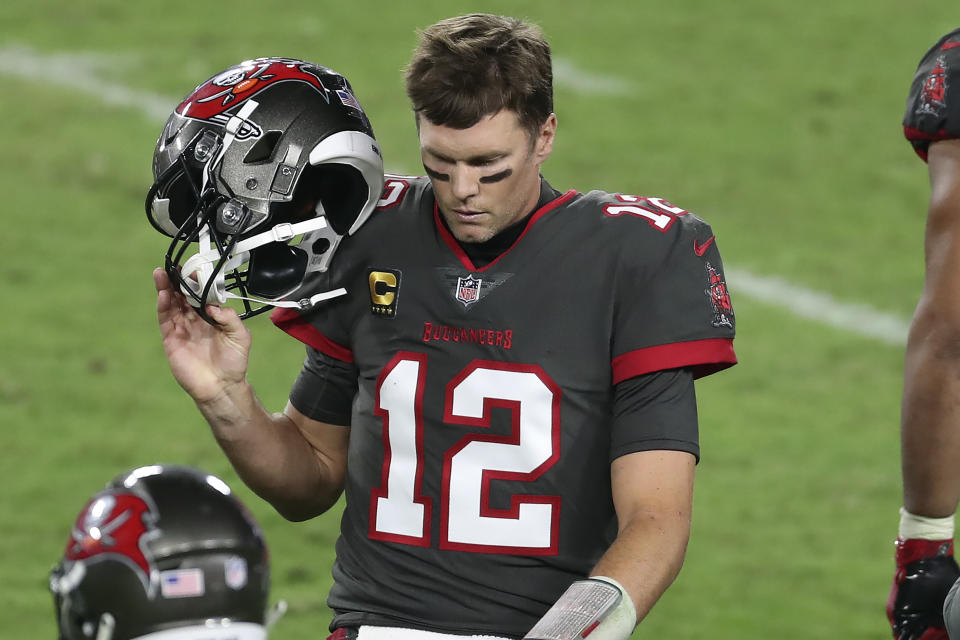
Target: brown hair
{"points": [[472, 66]]}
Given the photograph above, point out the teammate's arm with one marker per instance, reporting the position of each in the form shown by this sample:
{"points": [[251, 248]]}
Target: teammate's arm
{"points": [[930, 420], [653, 497], [931, 395], [295, 463]]}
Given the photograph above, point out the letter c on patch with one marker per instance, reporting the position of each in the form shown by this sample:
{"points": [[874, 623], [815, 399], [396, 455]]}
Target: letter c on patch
{"points": [[382, 295]]}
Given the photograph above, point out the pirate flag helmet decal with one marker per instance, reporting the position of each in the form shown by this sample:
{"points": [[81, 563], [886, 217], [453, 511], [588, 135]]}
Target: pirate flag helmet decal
{"points": [[163, 550], [258, 175]]}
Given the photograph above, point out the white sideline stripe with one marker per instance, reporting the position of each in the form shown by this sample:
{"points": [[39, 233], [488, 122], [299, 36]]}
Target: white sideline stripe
{"points": [[83, 74], [566, 74], [820, 307]]}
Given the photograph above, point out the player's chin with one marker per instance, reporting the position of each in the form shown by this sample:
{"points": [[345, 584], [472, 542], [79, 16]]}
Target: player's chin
{"points": [[469, 231], [472, 234]]}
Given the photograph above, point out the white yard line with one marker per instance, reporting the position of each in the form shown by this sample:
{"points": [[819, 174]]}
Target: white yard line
{"points": [[567, 75], [820, 307], [85, 73]]}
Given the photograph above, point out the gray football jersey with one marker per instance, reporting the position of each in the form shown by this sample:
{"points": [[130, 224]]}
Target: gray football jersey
{"points": [[478, 480]]}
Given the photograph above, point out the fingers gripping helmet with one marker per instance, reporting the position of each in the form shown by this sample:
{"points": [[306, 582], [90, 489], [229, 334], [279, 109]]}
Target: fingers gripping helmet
{"points": [[163, 553], [258, 175]]}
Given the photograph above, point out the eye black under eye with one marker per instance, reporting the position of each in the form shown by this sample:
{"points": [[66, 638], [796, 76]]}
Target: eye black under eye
{"points": [[497, 177], [443, 177]]}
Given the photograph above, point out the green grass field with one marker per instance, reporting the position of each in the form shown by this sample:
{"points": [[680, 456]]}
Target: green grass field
{"points": [[777, 122]]}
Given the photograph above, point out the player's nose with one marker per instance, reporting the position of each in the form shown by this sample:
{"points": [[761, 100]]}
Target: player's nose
{"points": [[464, 182]]}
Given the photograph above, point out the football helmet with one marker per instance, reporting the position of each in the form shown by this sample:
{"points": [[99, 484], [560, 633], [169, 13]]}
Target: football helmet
{"points": [[258, 175], [162, 552]]}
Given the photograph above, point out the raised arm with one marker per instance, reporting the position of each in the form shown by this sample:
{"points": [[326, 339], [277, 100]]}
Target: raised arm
{"points": [[295, 463]]}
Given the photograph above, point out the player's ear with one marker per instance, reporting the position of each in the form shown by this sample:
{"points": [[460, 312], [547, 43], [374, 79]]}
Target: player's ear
{"points": [[543, 145]]}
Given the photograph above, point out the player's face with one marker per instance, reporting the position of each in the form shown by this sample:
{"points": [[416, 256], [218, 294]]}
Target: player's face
{"points": [[485, 177]]}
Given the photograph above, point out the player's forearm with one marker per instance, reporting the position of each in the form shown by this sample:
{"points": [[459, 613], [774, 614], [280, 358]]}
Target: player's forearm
{"points": [[270, 454], [647, 556], [930, 416]]}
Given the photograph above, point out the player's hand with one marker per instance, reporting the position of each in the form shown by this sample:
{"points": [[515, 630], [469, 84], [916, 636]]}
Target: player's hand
{"points": [[206, 360], [926, 570]]}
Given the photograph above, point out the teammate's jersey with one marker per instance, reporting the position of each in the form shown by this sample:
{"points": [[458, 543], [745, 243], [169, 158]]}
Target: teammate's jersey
{"points": [[481, 435], [933, 106]]}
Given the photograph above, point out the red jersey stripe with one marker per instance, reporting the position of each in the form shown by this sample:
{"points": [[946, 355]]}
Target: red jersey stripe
{"points": [[703, 356], [291, 322]]}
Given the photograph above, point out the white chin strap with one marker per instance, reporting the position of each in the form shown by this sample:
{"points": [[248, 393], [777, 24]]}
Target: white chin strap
{"points": [[198, 269]]}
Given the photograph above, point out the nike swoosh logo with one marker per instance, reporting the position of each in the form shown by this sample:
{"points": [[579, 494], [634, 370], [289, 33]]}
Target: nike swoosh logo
{"points": [[701, 249]]}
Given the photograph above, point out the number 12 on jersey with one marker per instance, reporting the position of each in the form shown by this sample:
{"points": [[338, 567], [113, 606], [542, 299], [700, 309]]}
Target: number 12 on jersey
{"points": [[399, 512]]}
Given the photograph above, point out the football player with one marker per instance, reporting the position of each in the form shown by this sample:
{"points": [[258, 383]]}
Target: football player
{"points": [[163, 552], [930, 427], [505, 391]]}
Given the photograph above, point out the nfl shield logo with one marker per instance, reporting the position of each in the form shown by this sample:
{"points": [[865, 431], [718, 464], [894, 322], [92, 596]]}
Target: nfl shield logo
{"points": [[468, 290], [235, 572]]}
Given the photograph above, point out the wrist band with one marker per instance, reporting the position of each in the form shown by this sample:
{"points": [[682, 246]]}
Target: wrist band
{"points": [[598, 608], [914, 526]]}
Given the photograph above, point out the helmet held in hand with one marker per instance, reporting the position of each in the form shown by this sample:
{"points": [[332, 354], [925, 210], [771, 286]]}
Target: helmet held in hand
{"points": [[259, 173]]}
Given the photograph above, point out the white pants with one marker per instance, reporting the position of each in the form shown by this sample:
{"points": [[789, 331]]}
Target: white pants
{"points": [[367, 632]]}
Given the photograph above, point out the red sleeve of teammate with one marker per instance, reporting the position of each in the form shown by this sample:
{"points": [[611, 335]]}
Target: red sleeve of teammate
{"points": [[933, 106]]}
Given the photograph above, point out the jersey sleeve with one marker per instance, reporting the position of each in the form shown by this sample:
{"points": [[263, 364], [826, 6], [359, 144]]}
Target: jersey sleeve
{"points": [[311, 330], [325, 327], [325, 388], [655, 411], [673, 308], [933, 105]]}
